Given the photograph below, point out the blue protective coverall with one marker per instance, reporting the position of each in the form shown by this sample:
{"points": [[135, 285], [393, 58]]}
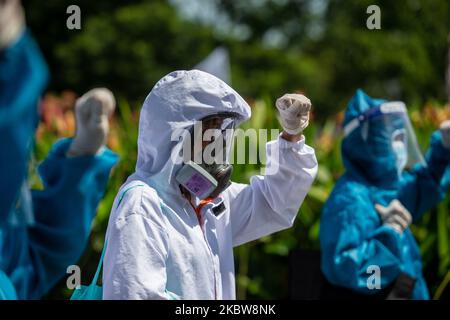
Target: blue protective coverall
{"points": [[352, 236], [34, 256]]}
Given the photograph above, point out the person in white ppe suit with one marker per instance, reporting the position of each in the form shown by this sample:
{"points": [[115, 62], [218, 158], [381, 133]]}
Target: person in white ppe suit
{"points": [[174, 224]]}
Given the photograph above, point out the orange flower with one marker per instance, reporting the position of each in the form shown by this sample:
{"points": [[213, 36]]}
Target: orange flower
{"points": [[57, 113]]}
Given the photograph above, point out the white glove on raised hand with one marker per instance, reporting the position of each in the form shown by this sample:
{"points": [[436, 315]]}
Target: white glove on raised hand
{"points": [[12, 22], [395, 216], [294, 112], [92, 112], [445, 132]]}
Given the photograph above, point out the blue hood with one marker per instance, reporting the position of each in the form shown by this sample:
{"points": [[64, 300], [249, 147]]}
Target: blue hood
{"points": [[370, 160]]}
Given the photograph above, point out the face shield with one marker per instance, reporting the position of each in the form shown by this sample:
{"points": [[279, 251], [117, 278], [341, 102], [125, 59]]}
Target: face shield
{"points": [[388, 129], [207, 170]]}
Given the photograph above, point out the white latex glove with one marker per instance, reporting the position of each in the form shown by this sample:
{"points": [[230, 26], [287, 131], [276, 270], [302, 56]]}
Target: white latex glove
{"points": [[92, 112], [294, 112], [395, 216], [445, 132], [12, 22]]}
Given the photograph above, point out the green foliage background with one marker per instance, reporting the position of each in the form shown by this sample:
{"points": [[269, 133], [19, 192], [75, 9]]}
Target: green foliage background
{"points": [[320, 47]]}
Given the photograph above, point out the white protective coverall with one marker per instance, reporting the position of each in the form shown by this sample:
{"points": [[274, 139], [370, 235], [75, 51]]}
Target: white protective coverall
{"points": [[156, 248]]}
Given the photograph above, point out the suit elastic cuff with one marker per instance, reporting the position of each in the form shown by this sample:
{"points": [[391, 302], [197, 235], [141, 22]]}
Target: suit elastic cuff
{"points": [[285, 144]]}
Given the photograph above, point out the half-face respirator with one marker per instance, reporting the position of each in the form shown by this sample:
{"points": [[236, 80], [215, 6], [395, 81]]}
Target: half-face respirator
{"points": [[208, 172]]}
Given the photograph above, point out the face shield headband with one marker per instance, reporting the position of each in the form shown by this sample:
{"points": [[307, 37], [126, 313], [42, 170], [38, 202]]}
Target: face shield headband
{"points": [[385, 108]]}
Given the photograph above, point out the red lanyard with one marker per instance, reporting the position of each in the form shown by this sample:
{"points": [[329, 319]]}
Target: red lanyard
{"points": [[199, 208]]}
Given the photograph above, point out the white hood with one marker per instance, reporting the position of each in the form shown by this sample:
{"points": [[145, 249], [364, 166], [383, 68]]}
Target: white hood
{"points": [[167, 249], [176, 102]]}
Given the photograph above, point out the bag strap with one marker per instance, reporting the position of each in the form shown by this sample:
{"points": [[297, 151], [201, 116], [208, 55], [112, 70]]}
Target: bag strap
{"points": [[100, 264]]}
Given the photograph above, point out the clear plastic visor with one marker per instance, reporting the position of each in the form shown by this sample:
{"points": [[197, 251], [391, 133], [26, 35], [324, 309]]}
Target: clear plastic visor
{"points": [[392, 118]]}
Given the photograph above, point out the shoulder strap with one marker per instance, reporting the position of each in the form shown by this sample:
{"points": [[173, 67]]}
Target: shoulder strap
{"points": [[100, 264]]}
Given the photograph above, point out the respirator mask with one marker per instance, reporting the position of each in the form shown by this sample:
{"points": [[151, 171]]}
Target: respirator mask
{"points": [[206, 171], [400, 148]]}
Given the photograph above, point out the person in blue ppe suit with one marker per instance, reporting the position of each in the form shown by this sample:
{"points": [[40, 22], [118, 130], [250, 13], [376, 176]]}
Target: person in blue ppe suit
{"points": [[43, 232], [387, 185]]}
